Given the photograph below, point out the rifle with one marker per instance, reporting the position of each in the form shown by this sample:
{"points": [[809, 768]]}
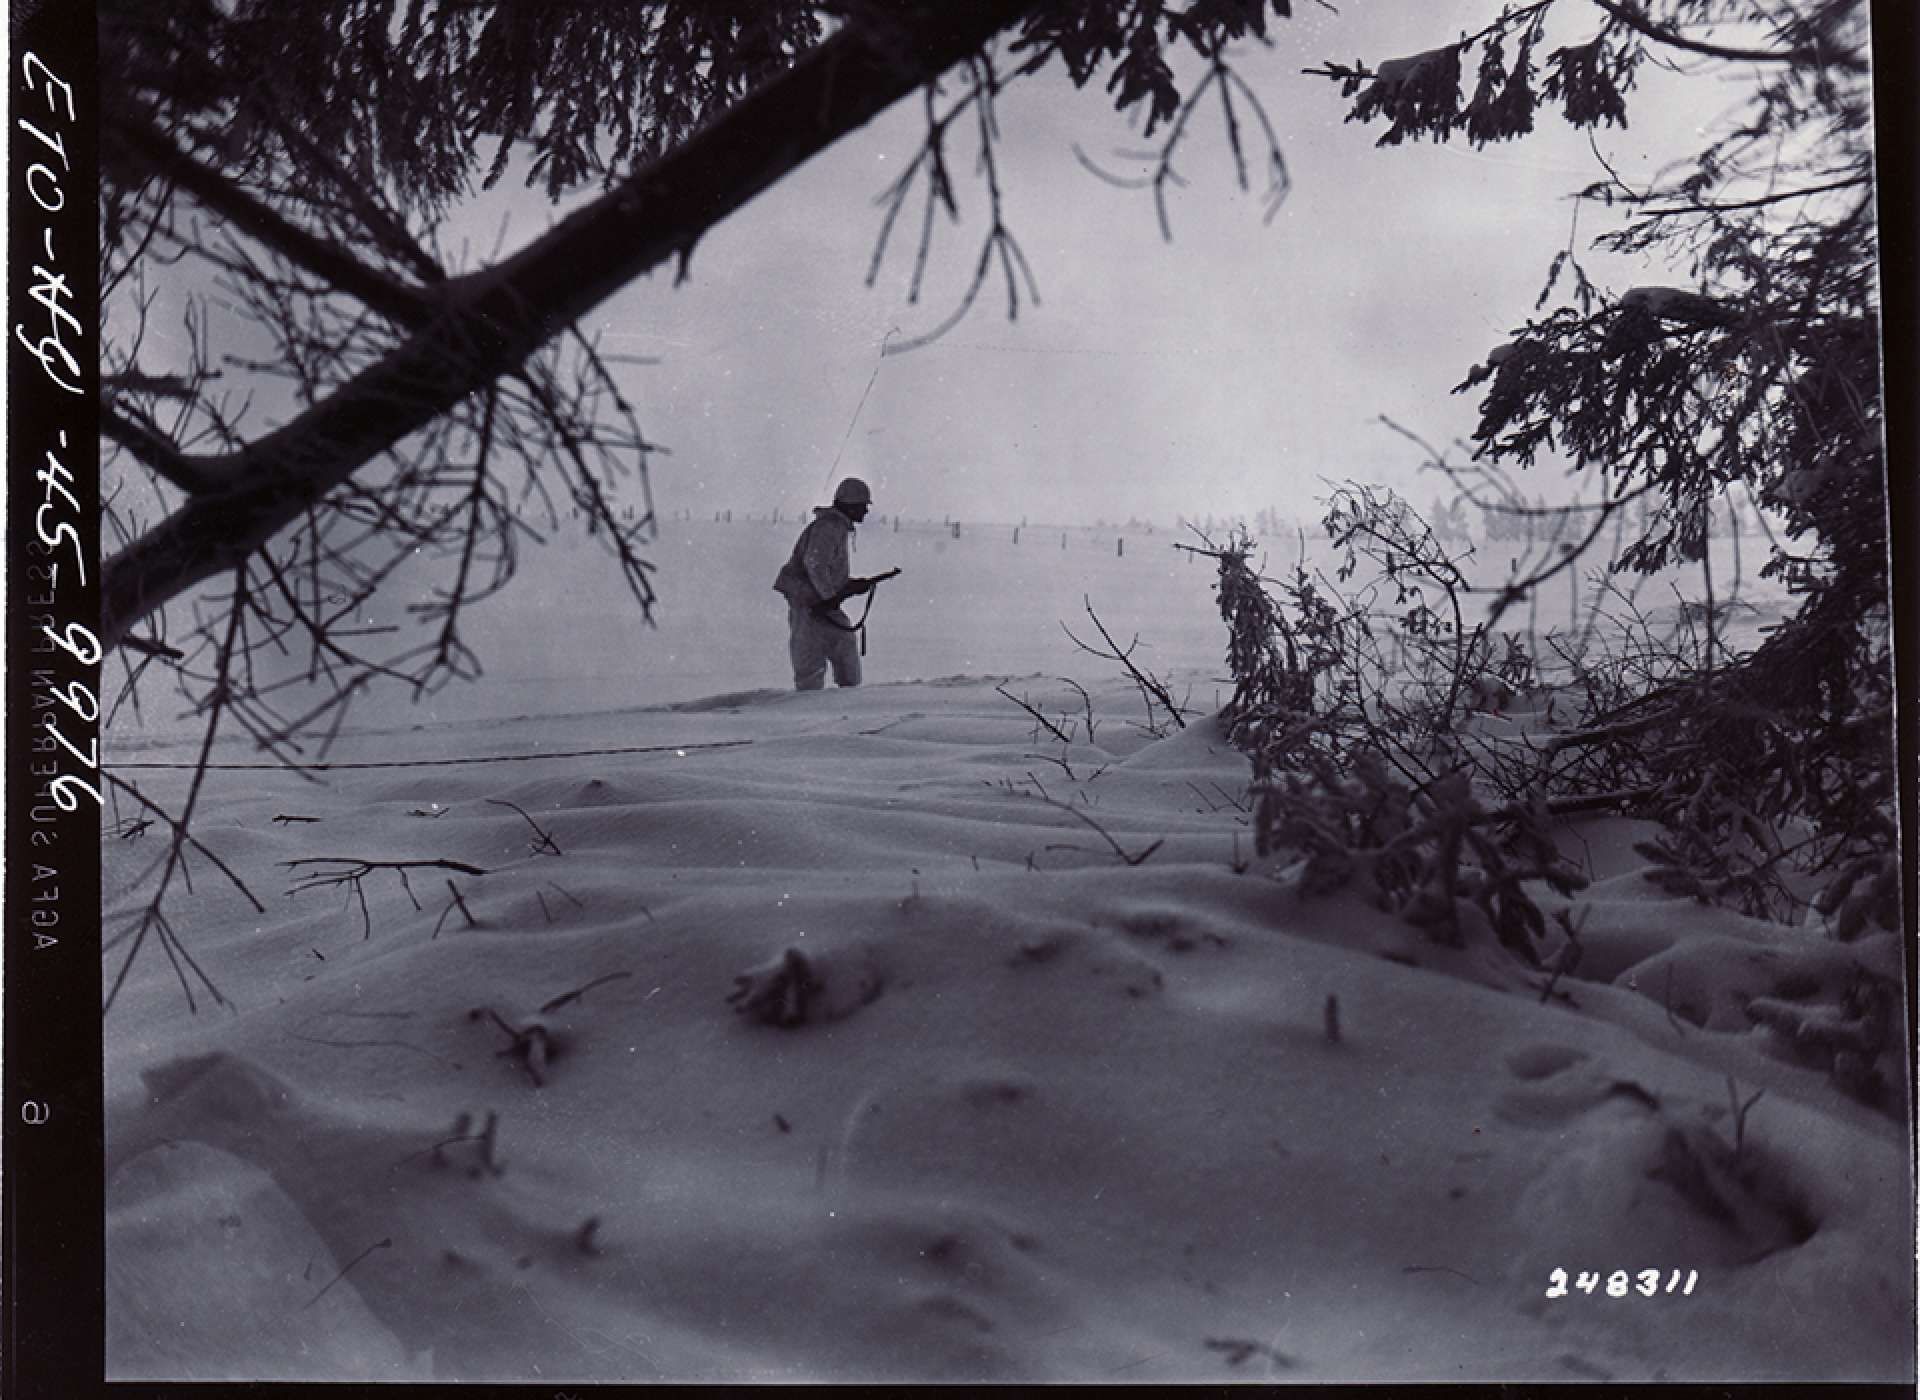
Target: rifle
{"points": [[854, 587]]}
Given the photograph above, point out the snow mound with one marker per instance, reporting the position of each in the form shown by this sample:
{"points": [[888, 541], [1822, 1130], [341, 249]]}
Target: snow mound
{"points": [[1037, 1075]]}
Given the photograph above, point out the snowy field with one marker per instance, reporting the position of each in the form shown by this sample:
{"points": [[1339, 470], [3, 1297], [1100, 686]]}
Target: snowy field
{"points": [[1060, 1109], [567, 638]]}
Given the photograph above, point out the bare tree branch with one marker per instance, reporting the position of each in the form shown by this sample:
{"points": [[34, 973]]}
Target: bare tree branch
{"points": [[490, 322], [399, 303], [153, 450], [1817, 55]]}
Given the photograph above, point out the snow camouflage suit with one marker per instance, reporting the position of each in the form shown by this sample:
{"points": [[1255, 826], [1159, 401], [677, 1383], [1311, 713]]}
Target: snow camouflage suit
{"points": [[817, 570]]}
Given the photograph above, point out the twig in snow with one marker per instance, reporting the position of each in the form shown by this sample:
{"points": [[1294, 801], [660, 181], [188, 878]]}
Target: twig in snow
{"points": [[1238, 804], [455, 903], [487, 1137], [531, 1044], [1118, 850], [555, 1003], [1058, 762], [545, 845], [377, 1244], [1038, 718], [353, 872], [360, 868], [1740, 1111], [1086, 702], [1153, 690]]}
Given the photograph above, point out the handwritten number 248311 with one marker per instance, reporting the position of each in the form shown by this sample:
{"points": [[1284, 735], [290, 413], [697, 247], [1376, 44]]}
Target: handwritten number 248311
{"points": [[1620, 1283]]}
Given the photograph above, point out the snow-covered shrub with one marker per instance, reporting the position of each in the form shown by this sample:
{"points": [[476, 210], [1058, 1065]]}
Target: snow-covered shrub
{"points": [[1438, 857], [1770, 771], [1849, 1034], [1750, 373], [1287, 654], [1379, 660], [1773, 784]]}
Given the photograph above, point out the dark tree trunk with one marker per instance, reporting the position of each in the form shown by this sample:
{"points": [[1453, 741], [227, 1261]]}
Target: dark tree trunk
{"points": [[486, 324]]}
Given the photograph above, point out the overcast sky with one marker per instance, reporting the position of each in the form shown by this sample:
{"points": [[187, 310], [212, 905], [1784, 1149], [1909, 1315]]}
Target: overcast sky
{"points": [[1227, 371], [1233, 369]]}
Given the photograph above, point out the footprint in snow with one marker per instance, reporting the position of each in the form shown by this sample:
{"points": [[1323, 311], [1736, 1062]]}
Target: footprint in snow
{"points": [[1553, 1097], [1543, 1061]]}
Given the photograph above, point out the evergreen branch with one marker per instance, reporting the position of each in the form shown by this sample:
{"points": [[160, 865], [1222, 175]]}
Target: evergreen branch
{"points": [[488, 324], [1852, 182], [1816, 55], [401, 304]]}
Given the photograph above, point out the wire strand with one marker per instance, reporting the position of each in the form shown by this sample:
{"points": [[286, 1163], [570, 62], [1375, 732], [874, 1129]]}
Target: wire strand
{"points": [[847, 436], [434, 762]]}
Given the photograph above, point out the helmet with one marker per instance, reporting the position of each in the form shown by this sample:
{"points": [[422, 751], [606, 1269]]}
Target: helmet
{"points": [[852, 492]]}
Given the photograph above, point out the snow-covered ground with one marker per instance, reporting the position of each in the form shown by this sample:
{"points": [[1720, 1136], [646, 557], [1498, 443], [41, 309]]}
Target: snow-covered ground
{"points": [[1059, 1109], [566, 636]]}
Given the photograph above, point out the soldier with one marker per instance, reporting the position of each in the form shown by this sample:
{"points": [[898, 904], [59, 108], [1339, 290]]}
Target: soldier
{"points": [[815, 580]]}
